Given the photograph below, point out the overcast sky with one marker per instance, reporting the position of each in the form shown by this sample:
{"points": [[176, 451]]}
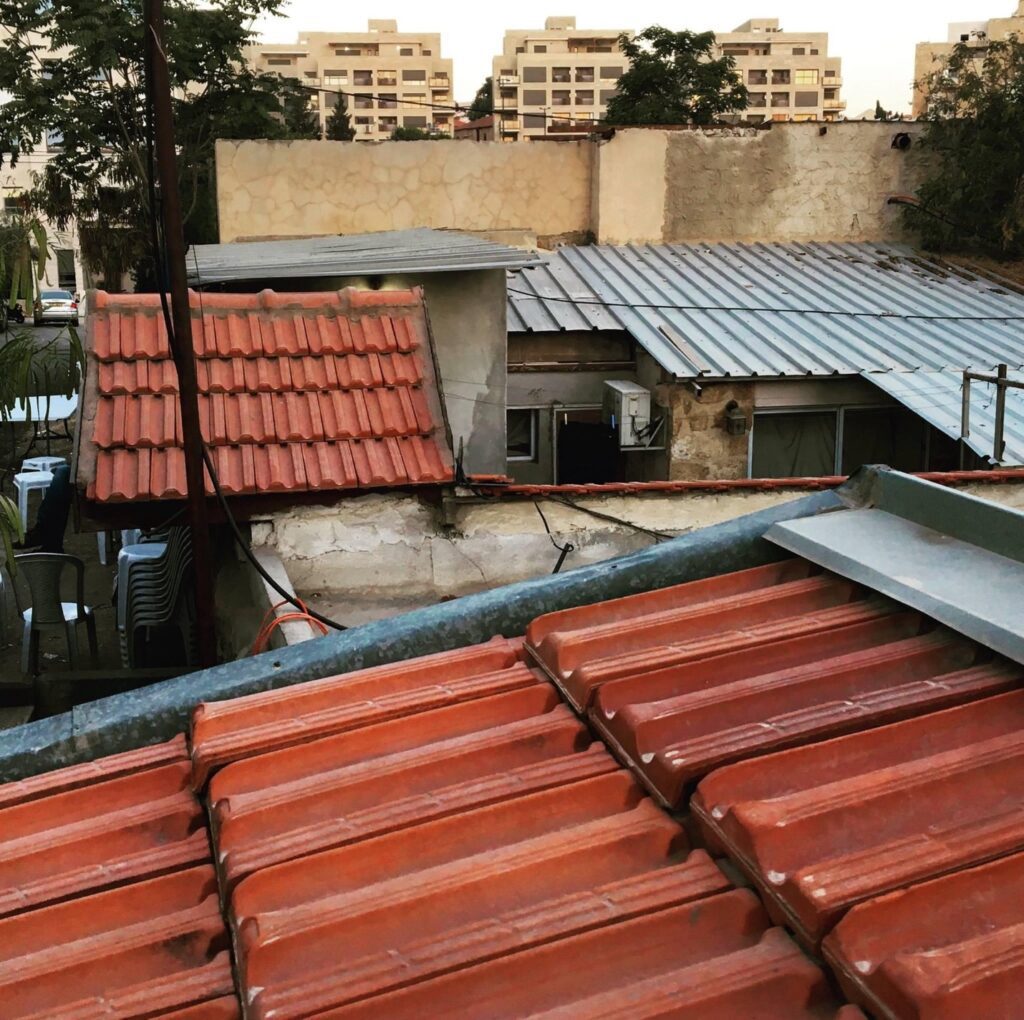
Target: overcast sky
{"points": [[876, 39]]}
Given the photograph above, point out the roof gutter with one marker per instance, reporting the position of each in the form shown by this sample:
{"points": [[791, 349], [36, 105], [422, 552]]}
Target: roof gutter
{"points": [[156, 713]]}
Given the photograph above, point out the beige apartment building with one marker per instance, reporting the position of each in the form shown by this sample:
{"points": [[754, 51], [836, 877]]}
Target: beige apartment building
{"points": [[556, 82], [393, 79], [789, 75], [976, 34]]}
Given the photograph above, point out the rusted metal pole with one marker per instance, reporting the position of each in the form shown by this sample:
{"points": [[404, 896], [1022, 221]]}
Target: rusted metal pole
{"points": [[999, 446], [181, 342]]}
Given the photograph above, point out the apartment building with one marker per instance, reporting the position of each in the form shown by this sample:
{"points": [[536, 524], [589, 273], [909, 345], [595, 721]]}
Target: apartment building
{"points": [[394, 79], [789, 75], [556, 82], [976, 34]]}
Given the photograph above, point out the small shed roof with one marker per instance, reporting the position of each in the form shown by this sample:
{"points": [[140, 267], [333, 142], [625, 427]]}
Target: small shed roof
{"points": [[777, 309], [394, 251]]}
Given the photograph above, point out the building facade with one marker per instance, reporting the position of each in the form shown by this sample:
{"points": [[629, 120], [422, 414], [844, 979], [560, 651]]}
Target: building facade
{"points": [[976, 34], [556, 82], [391, 79], [789, 75]]}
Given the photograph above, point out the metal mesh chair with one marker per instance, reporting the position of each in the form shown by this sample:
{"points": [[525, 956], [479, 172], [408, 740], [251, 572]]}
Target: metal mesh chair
{"points": [[44, 574]]}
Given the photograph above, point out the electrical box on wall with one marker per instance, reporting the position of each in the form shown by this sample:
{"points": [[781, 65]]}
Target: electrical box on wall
{"points": [[627, 409]]}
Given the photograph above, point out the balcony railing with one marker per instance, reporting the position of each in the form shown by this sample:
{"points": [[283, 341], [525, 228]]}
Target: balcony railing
{"points": [[440, 83], [835, 104], [586, 78], [387, 79], [508, 126], [832, 83]]}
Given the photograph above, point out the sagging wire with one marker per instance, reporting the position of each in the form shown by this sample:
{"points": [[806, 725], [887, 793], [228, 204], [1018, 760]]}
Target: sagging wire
{"points": [[271, 622], [563, 550]]}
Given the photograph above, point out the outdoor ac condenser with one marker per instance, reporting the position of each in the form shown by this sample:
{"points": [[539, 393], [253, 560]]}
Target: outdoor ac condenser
{"points": [[627, 409]]}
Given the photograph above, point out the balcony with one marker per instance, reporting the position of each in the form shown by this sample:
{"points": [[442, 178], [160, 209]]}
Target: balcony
{"points": [[437, 82], [585, 77], [561, 77], [508, 126], [835, 104], [508, 79], [832, 83], [387, 78], [757, 78]]}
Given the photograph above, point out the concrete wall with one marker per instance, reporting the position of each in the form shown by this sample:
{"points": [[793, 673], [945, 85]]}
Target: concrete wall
{"points": [[394, 549], [281, 189], [789, 183]]}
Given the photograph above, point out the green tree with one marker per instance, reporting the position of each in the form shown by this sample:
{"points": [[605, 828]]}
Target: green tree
{"points": [[675, 78], [881, 113], [483, 101], [92, 101], [973, 196], [299, 116], [339, 123], [412, 134]]}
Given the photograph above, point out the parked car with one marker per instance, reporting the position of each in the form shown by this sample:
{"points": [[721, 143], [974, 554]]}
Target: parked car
{"points": [[55, 306]]}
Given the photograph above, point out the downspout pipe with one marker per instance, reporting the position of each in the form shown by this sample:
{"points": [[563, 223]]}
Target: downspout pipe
{"points": [[156, 713]]}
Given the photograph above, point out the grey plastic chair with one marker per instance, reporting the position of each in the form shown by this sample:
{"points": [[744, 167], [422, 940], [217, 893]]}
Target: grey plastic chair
{"points": [[43, 573]]}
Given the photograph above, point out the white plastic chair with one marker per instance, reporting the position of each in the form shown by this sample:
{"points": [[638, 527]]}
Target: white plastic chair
{"points": [[30, 481], [43, 572], [41, 463]]}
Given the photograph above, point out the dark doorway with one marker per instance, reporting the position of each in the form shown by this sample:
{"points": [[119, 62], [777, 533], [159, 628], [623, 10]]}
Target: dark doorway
{"points": [[587, 450]]}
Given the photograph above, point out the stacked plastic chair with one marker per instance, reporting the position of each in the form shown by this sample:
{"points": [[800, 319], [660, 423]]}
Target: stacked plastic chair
{"points": [[154, 592]]}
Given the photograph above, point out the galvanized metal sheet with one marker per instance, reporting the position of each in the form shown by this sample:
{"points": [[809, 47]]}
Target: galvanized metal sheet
{"points": [[393, 251], [938, 398], [776, 309]]}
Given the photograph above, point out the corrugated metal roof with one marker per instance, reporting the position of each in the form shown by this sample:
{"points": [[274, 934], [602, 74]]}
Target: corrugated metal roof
{"points": [[942, 950], [821, 828], [297, 393], [394, 251], [776, 309], [937, 397]]}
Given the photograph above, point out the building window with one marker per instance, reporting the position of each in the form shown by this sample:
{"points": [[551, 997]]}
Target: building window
{"points": [[54, 138], [405, 51], [806, 99], [798, 444], [279, 61], [362, 77], [540, 49], [757, 77], [807, 76], [611, 73], [560, 97], [799, 51], [414, 75], [428, 53], [561, 75], [335, 77], [585, 98], [607, 95], [534, 97], [780, 99], [757, 100], [418, 122], [780, 77], [814, 53], [535, 74], [521, 433]]}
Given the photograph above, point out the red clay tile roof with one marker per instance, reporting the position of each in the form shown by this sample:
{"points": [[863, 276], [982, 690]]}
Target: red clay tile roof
{"points": [[823, 827], [108, 898], [454, 843], [943, 950], [298, 393]]}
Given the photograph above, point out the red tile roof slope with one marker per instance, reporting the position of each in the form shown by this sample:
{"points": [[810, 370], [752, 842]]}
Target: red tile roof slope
{"points": [[425, 848], [108, 897], [823, 827], [298, 392], [942, 950], [231, 730]]}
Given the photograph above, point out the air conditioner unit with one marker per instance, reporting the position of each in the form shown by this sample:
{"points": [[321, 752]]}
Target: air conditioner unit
{"points": [[627, 409]]}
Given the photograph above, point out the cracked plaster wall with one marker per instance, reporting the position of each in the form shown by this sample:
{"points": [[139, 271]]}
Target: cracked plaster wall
{"points": [[303, 188]]}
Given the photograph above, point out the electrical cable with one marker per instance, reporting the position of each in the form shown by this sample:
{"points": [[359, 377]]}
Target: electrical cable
{"points": [[836, 313], [160, 267], [563, 550]]}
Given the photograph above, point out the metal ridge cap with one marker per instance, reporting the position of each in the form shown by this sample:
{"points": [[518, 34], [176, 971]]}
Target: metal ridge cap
{"points": [[155, 713]]}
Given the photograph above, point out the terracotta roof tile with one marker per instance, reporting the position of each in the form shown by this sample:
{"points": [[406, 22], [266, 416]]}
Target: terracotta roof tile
{"points": [[515, 743], [584, 648], [146, 949], [712, 959], [276, 373], [823, 827], [232, 730], [77, 836], [942, 950], [675, 725]]}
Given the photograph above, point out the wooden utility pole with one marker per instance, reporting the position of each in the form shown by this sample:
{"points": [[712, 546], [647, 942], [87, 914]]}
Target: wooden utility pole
{"points": [[181, 317]]}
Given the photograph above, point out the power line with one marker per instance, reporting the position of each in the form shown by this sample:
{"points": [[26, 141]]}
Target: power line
{"points": [[836, 312]]}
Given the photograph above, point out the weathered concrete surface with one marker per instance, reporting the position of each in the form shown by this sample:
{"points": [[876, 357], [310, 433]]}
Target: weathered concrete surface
{"points": [[300, 188], [789, 183], [395, 546]]}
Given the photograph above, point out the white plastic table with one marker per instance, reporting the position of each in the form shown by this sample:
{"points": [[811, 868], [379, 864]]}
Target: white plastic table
{"points": [[43, 410]]}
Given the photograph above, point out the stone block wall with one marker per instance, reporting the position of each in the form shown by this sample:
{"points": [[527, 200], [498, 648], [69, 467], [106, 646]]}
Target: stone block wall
{"points": [[700, 446]]}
